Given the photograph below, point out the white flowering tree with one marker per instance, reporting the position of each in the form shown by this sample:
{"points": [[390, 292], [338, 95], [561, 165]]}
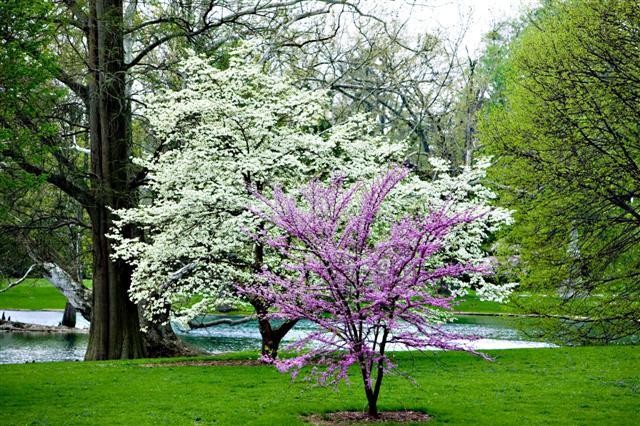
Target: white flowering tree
{"points": [[228, 134], [459, 193]]}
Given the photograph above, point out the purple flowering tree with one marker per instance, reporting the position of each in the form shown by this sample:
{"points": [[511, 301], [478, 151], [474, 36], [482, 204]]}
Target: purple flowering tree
{"points": [[363, 279]]}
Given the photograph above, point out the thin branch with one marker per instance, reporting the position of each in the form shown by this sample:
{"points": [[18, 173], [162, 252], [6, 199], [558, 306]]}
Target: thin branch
{"points": [[228, 321], [15, 283]]}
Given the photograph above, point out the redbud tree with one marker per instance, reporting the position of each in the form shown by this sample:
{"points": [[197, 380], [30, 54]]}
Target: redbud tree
{"points": [[367, 281]]}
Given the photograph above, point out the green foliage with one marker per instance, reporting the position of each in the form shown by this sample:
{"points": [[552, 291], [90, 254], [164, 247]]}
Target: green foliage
{"points": [[566, 145], [26, 70], [35, 115], [565, 386]]}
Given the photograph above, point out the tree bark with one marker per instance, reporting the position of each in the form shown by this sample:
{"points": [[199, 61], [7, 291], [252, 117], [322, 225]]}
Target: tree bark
{"points": [[161, 341], [115, 326], [372, 401], [372, 397], [271, 336], [77, 295]]}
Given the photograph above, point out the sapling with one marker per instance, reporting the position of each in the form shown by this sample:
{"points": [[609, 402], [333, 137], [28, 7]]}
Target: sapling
{"points": [[366, 280]]}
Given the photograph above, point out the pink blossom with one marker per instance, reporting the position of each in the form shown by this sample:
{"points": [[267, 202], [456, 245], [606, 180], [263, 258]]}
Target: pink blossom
{"points": [[366, 281]]}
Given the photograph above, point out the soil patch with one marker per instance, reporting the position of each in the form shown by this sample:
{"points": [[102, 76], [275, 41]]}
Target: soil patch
{"points": [[207, 363], [358, 417]]}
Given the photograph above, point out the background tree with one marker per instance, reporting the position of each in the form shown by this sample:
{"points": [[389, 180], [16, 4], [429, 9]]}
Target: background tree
{"points": [[29, 137], [405, 82], [566, 139]]}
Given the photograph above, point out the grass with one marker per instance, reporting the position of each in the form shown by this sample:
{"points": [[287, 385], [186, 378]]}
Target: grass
{"points": [[472, 303], [38, 294], [34, 294], [572, 386]]}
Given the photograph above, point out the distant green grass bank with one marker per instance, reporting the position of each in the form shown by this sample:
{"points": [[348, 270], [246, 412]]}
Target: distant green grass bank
{"points": [[567, 386], [34, 294], [39, 294]]}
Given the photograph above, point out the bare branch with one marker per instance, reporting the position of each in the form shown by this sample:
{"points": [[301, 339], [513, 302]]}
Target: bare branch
{"points": [[17, 282], [227, 321]]}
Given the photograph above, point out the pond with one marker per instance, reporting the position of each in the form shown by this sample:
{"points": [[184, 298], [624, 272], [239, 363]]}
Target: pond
{"points": [[493, 333]]}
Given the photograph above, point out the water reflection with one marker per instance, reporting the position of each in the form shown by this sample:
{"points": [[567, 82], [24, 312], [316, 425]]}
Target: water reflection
{"points": [[16, 348]]}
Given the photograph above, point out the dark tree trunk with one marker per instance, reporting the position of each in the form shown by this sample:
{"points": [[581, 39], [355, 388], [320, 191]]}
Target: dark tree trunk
{"points": [[373, 394], [162, 341], [69, 316], [115, 327], [372, 409], [372, 397], [159, 338], [271, 336]]}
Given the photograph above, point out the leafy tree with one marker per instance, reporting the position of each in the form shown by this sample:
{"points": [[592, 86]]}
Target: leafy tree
{"points": [[566, 140], [365, 290], [30, 101]]}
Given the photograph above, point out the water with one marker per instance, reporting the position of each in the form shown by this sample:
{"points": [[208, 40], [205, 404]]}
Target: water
{"points": [[493, 333], [53, 318], [18, 348]]}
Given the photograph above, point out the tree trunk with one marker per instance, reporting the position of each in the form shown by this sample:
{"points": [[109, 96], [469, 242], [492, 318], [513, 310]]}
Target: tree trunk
{"points": [[271, 337], [372, 409], [115, 327], [69, 316], [372, 397], [162, 341], [77, 294], [159, 338]]}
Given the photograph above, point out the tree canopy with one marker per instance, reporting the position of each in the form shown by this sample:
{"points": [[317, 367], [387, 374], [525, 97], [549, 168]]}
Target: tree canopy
{"points": [[567, 155]]}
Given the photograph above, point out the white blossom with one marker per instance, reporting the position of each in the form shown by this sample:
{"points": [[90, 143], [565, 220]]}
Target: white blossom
{"points": [[229, 132]]}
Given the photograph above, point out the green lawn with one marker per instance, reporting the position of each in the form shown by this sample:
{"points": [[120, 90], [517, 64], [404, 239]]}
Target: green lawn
{"points": [[38, 294], [571, 386], [472, 303], [34, 294]]}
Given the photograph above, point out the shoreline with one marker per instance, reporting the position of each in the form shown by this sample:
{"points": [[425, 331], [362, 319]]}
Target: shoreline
{"points": [[21, 327]]}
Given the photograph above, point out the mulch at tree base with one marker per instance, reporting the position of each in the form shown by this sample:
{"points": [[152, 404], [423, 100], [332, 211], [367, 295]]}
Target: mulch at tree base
{"points": [[207, 363], [359, 417]]}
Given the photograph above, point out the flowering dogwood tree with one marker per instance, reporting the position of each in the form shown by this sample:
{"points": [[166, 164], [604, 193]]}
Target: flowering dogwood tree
{"points": [[364, 279], [229, 133]]}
